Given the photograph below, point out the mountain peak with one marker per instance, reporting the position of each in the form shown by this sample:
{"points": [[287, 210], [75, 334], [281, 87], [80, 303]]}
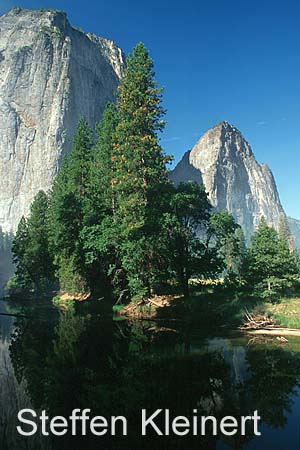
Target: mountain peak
{"points": [[223, 124], [226, 126], [223, 141], [17, 10], [233, 178]]}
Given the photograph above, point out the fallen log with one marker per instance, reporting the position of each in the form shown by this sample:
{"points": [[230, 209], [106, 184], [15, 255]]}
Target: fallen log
{"points": [[282, 339], [254, 322], [154, 303], [157, 329], [275, 331]]}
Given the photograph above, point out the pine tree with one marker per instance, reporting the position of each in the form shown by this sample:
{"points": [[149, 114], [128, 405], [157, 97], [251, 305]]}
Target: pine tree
{"points": [[38, 251], [31, 250], [97, 233], [140, 175], [67, 211], [268, 256], [19, 248], [99, 198]]}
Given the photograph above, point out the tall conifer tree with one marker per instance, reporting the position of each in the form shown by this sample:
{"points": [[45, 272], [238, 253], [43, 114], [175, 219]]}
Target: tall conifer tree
{"points": [[100, 176], [32, 257], [97, 233], [268, 256], [68, 206], [19, 250], [140, 174]]}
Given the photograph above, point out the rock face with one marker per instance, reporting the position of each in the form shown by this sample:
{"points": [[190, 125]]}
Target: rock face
{"points": [[234, 180], [50, 75], [294, 226]]}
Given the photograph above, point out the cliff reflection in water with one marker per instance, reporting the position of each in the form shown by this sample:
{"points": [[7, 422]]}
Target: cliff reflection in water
{"points": [[118, 368]]}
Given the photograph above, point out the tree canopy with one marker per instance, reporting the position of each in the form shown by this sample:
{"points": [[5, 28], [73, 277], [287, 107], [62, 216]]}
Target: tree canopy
{"points": [[113, 221]]}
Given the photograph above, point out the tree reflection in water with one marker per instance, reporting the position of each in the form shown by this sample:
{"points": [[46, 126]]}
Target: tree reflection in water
{"points": [[118, 368]]}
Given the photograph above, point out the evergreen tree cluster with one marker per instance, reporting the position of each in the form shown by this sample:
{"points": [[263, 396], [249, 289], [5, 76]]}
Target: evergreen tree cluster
{"points": [[114, 223], [30, 248], [270, 266]]}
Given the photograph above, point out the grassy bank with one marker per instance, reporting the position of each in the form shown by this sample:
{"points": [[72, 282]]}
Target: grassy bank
{"points": [[217, 307], [229, 311], [208, 307], [286, 312]]}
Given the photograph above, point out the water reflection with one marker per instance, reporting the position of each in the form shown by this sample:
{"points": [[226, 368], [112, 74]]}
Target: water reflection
{"points": [[13, 394], [118, 368]]}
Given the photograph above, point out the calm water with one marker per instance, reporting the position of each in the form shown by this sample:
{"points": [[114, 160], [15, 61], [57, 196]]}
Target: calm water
{"points": [[59, 362]]}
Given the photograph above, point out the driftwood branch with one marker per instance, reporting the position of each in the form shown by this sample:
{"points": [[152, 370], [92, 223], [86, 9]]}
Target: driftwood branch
{"points": [[154, 303], [257, 321], [121, 296]]}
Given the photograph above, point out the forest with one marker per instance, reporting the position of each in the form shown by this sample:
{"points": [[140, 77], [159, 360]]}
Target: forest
{"points": [[115, 225]]}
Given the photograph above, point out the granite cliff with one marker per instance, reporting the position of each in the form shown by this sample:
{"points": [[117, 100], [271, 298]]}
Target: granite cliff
{"points": [[294, 226], [223, 160], [51, 74]]}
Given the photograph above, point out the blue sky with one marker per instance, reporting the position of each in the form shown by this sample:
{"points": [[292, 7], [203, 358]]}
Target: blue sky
{"points": [[234, 60]]}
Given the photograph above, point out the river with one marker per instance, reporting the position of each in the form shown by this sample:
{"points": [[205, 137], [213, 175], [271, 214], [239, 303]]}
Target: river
{"points": [[87, 359]]}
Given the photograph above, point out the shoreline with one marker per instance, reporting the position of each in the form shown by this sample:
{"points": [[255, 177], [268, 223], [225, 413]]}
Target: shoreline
{"points": [[280, 331], [175, 309]]}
